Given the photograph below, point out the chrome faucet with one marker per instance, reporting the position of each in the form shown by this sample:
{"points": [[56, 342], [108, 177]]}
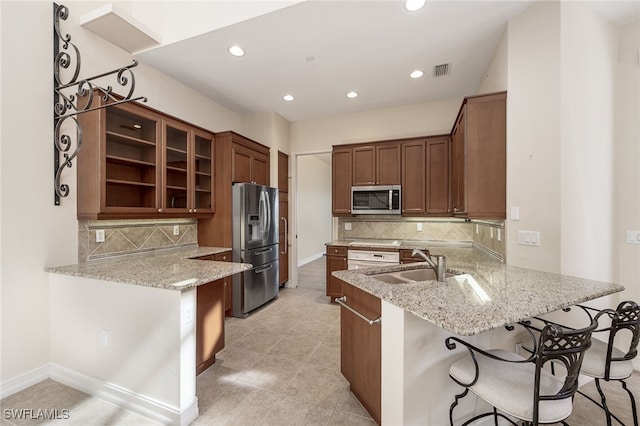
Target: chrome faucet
{"points": [[440, 264]]}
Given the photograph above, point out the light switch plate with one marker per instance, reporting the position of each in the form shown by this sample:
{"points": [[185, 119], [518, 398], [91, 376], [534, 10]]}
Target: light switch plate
{"points": [[99, 235], [347, 226], [419, 227], [515, 213], [176, 229]]}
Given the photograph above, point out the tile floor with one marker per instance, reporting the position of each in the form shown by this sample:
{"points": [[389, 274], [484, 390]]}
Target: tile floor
{"points": [[281, 366]]}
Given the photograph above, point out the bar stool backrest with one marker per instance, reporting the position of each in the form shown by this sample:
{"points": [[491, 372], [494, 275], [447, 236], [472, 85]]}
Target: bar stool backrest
{"points": [[567, 347], [625, 317]]}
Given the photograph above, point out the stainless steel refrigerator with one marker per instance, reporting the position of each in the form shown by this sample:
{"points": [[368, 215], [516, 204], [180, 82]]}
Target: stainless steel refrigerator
{"points": [[255, 241]]}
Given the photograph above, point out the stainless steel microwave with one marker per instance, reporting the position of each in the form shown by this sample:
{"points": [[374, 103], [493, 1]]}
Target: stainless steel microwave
{"points": [[381, 199]]}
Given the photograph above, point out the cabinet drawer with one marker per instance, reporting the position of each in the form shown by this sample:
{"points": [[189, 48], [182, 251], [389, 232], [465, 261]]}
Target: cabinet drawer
{"points": [[222, 257], [336, 250]]}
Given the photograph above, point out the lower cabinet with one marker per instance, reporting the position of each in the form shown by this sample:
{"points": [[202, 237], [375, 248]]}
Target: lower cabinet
{"points": [[361, 348], [336, 261], [209, 323]]}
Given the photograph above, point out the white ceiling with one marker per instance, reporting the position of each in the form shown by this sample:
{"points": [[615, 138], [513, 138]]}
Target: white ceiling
{"points": [[319, 50]]}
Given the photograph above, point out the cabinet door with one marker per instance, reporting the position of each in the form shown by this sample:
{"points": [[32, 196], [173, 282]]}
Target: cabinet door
{"points": [[485, 152], [209, 323], [176, 196], [283, 172], [225, 257], [388, 164], [132, 170], [341, 181], [364, 166], [457, 165], [336, 261], [413, 177], [203, 176], [437, 201], [241, 164], [260, 168], [361, 348]]}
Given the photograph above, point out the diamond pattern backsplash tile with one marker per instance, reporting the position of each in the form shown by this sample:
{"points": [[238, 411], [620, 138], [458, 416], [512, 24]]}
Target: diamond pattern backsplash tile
{"points": [[133, 236]]}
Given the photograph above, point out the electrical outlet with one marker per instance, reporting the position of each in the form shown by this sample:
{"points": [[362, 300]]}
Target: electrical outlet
{"points": [[633, 237], [347, 226], [477, 228], [529, 238], [499, 234], [176, 229], [419, 227], [187, 315], [491, 232], [99, 235]]}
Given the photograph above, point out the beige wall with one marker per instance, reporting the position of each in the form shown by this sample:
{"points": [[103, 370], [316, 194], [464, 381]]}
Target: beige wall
{"points": [[34, 233], [626, 180], [533, 135]]}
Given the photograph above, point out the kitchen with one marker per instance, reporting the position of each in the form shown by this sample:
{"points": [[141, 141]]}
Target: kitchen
{"points": [[547, 167]]}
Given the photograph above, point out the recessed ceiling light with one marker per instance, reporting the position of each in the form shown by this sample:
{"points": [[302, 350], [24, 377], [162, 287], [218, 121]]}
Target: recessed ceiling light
{"points": [[413, 5], [416, 74], [288, 98], [352, 95], [236, 50]]}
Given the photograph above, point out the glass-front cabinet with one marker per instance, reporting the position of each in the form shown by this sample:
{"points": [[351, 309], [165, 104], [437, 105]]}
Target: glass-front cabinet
{"points": [[136, 162]]}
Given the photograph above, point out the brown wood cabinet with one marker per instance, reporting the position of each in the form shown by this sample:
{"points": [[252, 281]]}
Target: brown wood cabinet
{"points": [[209, 323], [425, 176], [336, 260], [361, 348], [237, 159], [341, 181], [283, 200], [377, 164], [478, 151], [136, 162], [405, 257]]}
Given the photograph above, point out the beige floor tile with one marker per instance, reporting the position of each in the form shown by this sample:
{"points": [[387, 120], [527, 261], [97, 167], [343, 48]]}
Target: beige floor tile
{"points": [[350, 404], [271, 373], [342, 418], [317, 385], [291, 410]]}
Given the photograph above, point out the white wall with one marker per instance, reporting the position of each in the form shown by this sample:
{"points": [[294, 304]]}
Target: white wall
{"points": [[495, 78], [270, 129], [533, 135], [34, 233], [313, 192]]}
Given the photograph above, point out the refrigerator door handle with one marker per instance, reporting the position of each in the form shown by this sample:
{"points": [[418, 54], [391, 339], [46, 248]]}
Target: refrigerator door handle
{"points": [[261, 270], [268, 227], [262, 211]]}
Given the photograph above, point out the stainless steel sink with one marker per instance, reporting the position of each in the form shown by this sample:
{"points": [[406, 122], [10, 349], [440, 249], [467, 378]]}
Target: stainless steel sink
{"points": [[409, 276]]}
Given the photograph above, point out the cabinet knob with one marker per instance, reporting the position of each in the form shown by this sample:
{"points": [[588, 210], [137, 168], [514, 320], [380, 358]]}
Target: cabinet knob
{"points": [[159, 210], [190, 210], [195, 210]]}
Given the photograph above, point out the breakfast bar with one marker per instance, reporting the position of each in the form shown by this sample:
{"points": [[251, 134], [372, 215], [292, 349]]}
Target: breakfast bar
{"points": [[125, 328], [479, 297]]}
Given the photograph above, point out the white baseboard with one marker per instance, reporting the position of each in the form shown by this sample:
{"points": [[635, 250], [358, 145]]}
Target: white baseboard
{"points": [[24, 381], [125, 398], [310, 259]]}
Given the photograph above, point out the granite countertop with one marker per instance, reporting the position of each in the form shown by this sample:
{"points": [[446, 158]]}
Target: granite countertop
{"points": [[396, 244], [488, 295], [173, 269]]}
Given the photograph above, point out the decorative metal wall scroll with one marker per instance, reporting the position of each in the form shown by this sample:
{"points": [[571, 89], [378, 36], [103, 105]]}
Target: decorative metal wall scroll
{"points": [[67, 91]]}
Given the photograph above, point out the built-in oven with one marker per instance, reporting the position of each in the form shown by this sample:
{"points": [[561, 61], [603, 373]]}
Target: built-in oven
{"points": [[380, 199], [358, 259]]}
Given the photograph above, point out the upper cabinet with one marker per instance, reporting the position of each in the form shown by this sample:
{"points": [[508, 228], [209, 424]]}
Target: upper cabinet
{"points": [[138, 163], [425, 176], [478, 151], [188, 169], [341, 181], [250, 161], [377, 164]]}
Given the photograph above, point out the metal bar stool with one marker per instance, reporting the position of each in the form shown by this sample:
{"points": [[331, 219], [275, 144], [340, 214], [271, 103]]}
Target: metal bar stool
{"points": [[604, 361], [519, 387]]}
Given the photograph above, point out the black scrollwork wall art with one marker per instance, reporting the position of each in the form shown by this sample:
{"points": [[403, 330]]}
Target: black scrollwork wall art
{"points": [[68, 91]]}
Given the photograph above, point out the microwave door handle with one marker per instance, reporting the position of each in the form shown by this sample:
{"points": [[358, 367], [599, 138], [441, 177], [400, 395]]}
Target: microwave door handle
{"points": [[390, 199]]}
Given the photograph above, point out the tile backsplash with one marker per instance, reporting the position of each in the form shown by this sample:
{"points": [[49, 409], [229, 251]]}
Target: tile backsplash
{"points": [[133, 236], [483, 234]]}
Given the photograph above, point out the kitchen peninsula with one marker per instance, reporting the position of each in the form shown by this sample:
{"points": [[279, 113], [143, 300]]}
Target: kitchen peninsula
{"points": [[125, 330], [481, 297]]}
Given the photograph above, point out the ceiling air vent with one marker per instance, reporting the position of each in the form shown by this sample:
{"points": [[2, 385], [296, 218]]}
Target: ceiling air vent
{"points": [[441, 70]]}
